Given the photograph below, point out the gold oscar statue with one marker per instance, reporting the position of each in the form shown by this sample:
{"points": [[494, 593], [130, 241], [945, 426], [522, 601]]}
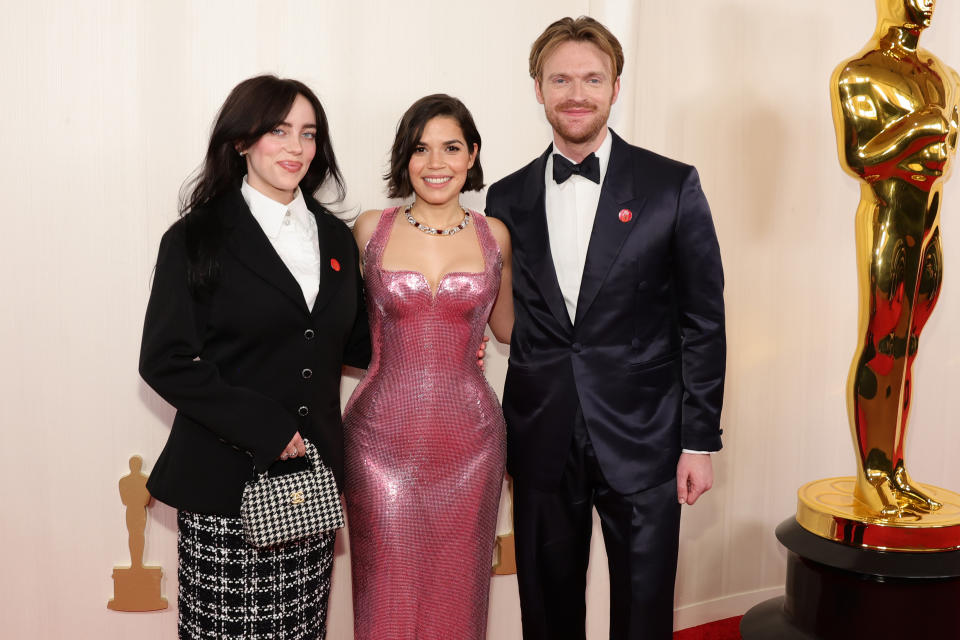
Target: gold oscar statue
{"points": [[895, 108], [137, 587]]}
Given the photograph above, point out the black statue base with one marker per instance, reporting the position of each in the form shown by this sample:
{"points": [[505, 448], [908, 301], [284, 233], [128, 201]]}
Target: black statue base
{"points": [[838, 592]]}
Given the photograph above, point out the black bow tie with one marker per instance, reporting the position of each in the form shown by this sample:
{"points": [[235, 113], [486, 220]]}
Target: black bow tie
{"points": [[563, 168]]}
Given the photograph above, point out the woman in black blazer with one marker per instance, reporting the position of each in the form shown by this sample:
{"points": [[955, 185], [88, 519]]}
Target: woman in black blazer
{"points": [[256, 305]]}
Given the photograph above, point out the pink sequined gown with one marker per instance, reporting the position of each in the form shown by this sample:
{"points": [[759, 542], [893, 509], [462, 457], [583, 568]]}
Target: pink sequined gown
{"points": [[425, 448]]}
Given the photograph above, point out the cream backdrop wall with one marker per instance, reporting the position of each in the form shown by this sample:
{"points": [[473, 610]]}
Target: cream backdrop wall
{"points": [[106, 105]]}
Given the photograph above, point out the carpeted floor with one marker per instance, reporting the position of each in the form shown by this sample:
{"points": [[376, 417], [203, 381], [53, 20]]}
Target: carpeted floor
{"points": [[727, 629]]}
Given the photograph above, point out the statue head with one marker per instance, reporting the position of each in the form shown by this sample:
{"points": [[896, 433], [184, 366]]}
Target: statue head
{"points": [[136, 463], [912, 14]]}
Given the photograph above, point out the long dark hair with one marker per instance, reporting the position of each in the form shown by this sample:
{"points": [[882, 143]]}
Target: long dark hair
{"points": [[409, 131], [254, 107]]}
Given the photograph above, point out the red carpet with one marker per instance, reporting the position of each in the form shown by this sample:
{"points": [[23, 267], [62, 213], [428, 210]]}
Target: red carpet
{"points": [[727, 629]]}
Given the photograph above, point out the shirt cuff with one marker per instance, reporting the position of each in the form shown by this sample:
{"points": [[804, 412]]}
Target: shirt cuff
{"points": [[700, 452]]}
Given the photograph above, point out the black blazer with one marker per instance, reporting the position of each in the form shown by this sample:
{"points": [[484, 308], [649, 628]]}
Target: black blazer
{"points": [[645, 357], [249, 365]]}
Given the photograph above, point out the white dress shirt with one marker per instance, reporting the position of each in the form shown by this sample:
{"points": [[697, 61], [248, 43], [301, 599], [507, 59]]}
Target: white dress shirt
{"points": [[292, 230], [571, 208]]}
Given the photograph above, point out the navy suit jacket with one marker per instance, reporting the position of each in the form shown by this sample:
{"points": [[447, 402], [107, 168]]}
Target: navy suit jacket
{"points": [[644, 359], [249, 365]]}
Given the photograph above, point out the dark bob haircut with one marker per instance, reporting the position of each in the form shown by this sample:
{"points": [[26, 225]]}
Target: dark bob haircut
{"points": [[255, 107], [409, 132]]}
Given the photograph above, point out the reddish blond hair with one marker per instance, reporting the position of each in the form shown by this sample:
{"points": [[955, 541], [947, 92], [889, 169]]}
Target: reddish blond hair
{"points": [[583, 29]]}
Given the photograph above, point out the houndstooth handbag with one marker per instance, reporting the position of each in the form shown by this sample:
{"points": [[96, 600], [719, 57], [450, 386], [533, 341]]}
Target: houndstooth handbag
{"points": [[283, 508]]}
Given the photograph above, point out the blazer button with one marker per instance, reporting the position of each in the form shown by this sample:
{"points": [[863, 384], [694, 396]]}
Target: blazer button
{"points": [[303, 411], [308, 334], [576, 346], [307, 374]]}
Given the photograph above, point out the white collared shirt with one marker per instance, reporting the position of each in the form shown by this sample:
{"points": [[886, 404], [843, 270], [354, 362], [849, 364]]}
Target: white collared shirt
{"points": [[571, 208], [292, 230]]}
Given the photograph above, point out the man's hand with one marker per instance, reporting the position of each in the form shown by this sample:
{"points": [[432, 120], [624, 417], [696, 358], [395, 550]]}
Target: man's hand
{"points": [[482, 352], [694, 476]]}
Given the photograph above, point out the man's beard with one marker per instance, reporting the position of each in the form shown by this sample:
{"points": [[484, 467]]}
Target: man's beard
{"points": [[578, 136]]}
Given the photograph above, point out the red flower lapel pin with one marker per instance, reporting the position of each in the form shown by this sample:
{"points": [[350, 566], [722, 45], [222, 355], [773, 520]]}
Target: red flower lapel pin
{"points": [[334, 264], [625, 215]]}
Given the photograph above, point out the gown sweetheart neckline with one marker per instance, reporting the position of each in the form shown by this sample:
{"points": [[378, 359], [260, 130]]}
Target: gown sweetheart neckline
{"points": [[434, 292]]}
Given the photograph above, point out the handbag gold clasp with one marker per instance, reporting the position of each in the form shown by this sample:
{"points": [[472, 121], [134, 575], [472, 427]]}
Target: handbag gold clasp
{"points": [[297, 497]]}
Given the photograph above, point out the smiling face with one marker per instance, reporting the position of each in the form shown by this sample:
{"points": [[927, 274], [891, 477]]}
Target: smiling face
{"points": [[440, 161], [576, 90], [280, 158]]}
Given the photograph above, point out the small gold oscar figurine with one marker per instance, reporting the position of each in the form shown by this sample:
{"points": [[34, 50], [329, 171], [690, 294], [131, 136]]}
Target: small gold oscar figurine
{"points": [[136, 588], [895, 108]]}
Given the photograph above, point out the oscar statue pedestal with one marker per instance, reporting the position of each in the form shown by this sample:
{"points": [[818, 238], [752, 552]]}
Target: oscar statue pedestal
{"points": [[137, 589], [836, 591]]}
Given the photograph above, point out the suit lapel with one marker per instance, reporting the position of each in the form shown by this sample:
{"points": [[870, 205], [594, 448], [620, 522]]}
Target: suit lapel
{"points": [[536, 240], [250, 245], [333, 258], [609, 230]]}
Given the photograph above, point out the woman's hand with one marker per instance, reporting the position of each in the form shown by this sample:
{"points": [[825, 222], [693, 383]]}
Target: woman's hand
{"points": [[295, 448]]}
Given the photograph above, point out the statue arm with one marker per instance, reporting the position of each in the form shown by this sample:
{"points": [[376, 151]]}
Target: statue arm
{"points": [[870, 138], [896, 138]]}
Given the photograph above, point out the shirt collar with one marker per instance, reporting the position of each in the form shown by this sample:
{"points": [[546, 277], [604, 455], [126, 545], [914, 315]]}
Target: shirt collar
{"points": [[602, 153], [270, 214]]}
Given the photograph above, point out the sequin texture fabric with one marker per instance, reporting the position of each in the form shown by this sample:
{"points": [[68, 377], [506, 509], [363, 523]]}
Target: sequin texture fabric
{"points": [[425, 449]]}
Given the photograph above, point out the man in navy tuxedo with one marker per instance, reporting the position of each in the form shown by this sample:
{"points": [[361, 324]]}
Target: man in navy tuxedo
{"points": [[617, 357]]}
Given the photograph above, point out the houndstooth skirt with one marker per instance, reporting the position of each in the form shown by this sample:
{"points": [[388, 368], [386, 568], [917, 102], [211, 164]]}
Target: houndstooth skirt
{"points": [[229, 589]]}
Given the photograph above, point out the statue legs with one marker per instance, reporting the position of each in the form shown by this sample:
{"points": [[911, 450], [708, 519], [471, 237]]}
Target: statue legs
{"points": [[900, 269]]}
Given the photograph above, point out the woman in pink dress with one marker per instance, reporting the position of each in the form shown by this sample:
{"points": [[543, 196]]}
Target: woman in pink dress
{"points": [[425, 436]]}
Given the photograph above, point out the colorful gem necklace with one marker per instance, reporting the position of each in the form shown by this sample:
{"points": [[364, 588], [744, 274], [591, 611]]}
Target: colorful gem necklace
{"points": [[437, 232]]}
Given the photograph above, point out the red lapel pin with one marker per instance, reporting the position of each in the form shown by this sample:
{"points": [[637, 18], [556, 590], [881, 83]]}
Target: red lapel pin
{"points": [[625, 215], [335, 264]]}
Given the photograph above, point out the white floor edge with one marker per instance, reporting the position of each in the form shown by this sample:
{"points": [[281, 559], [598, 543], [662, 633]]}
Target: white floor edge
{"points": [[692, 615]]}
